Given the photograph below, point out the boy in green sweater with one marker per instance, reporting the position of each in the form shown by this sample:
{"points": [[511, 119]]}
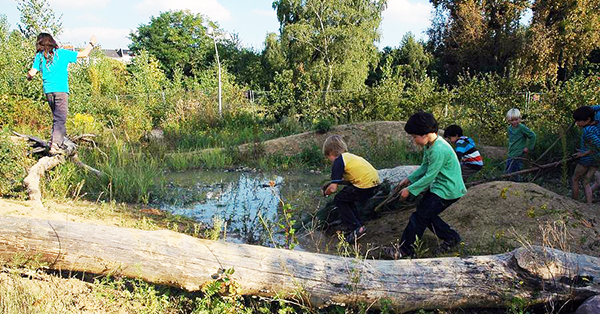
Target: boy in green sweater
{"points": [[520, 142], [439, 176]]}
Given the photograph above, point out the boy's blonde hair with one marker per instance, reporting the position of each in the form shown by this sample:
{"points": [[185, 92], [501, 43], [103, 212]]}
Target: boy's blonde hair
{"points": [[334, 145], [513, 113]]}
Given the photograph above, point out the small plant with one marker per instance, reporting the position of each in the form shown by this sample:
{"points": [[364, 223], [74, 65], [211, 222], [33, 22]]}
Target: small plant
{"points": [[518, 306], [13, 165], [419, 248], [322, 126], [217, 226], [504, 193], [288, 227]]}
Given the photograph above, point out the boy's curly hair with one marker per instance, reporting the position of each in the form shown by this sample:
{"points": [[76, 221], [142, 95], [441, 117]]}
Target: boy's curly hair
{"points": [[334, 145]]}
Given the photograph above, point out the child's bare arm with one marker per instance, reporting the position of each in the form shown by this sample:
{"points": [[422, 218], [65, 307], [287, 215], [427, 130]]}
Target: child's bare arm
{"points": [[88, 48]]}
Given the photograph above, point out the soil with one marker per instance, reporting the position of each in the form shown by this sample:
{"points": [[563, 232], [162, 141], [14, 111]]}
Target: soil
{"points": [[491, 218]]}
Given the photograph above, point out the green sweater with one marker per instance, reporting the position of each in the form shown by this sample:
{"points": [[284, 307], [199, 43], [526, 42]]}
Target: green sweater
{"points": [[440, 171], [519, 138]]}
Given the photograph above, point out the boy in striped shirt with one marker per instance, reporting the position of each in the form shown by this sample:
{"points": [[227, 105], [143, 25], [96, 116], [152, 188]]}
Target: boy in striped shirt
{"points": [[468, 155], [589, 154]]}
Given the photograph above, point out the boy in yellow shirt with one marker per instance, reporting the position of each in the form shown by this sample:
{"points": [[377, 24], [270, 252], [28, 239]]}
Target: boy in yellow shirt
{"points": [[361, 175]]}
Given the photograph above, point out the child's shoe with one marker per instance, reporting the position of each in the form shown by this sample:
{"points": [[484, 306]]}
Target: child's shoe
{"points": [[54, 150], [356, 234], [395, 253], [446, 246]]}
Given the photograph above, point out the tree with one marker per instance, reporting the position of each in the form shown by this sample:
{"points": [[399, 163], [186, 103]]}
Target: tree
{"points": [[476, 36], [178, 39], [330, 40], [36, 17], [410, 61], [562, 35]]}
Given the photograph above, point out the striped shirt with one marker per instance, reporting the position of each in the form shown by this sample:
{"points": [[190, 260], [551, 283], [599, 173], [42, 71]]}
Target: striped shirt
{"points": [[467, 152], [584, 145], [590, 140]]}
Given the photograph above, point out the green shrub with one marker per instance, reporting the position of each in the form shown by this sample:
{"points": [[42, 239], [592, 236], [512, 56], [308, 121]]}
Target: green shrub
{"points": [[13, 165], [322, 126]]}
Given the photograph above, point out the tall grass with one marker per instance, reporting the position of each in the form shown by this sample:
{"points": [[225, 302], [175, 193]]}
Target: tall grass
{"points": [[209, 159], [130, 174]]}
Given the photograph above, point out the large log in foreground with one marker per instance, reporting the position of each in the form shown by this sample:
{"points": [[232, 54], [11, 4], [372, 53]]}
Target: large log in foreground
{"points": [[165, 257]]}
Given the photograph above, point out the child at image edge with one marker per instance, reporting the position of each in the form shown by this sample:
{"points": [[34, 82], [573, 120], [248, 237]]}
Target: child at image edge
{"points": [[439, 176], [589, 153], [363, 180], [468, 155], [521, 141], [53, 63]]}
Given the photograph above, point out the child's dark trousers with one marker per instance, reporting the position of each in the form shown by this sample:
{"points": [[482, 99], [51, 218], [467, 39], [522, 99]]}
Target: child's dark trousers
{"points": [[426, 216], [345, 199], [59, 105]]}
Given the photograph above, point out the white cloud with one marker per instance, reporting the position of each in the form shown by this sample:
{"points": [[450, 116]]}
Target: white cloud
{"points": [[211, 8], [402, 16], [91, 18], [409, 13], [107, 37], [78, 4]]}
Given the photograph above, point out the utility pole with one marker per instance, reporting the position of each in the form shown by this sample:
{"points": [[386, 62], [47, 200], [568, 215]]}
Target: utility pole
{"points": [[211, 31]]}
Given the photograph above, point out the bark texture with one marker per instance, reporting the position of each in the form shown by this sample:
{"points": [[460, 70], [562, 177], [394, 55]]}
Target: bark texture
{"points": [[535, 274]]}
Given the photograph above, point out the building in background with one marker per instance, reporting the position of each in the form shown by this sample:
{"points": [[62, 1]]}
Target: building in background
{"points": [[123, 55]]}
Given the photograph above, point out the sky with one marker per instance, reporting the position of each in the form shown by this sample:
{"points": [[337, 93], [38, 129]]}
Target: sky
{"points": [[112, 21]]}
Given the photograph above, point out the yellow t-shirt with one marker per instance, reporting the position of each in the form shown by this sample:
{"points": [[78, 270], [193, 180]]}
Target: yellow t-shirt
{"points": [[354, 169]]}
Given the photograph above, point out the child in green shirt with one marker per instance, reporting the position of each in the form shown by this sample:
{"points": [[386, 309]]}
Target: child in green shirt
{"points": [[520, 142], [439, 177]]}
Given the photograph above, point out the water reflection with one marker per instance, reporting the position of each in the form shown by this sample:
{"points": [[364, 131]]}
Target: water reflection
{"points": [[247, 202]]}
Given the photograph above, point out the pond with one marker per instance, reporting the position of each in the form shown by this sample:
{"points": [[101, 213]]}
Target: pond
{"points": [[248, 207]]}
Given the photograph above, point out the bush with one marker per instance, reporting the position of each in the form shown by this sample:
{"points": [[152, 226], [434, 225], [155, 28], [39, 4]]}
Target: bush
{"points": [[322, 126], [13, 165]]}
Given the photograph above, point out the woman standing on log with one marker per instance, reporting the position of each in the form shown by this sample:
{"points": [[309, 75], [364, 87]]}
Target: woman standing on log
{"points": [[53, 63]]}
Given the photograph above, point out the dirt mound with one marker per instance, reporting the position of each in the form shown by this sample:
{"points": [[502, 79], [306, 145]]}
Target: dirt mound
{"points": [[359, 134], [492, 218], [497, 210], [355, 135]]}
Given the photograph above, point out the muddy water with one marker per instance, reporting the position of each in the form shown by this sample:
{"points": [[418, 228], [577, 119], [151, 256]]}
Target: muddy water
{"points": [[249, 205]]}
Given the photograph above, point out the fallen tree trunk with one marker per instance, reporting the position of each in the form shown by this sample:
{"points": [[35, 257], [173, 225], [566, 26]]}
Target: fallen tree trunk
{"points": [[535, 274], [37, 171]]}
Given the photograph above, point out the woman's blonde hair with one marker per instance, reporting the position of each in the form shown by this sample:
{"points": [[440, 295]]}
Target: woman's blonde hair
{"points": [[513, 113], [334, 145]]}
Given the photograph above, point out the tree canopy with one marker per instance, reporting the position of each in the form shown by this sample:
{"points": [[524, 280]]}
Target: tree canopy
{"points": [[37, 16], [178, 39], [331, 41]]}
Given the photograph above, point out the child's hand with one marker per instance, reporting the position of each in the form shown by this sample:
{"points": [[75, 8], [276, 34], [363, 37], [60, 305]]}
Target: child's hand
{"points": [[329, 188], [324, 188], [401, 185], [525, 150], [404, 194]]}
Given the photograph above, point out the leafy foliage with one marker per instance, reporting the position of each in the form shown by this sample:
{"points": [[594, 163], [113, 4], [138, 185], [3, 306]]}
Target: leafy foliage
{"points": [[13, 165], [36, 17], [177, 39], [329, 44]]}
